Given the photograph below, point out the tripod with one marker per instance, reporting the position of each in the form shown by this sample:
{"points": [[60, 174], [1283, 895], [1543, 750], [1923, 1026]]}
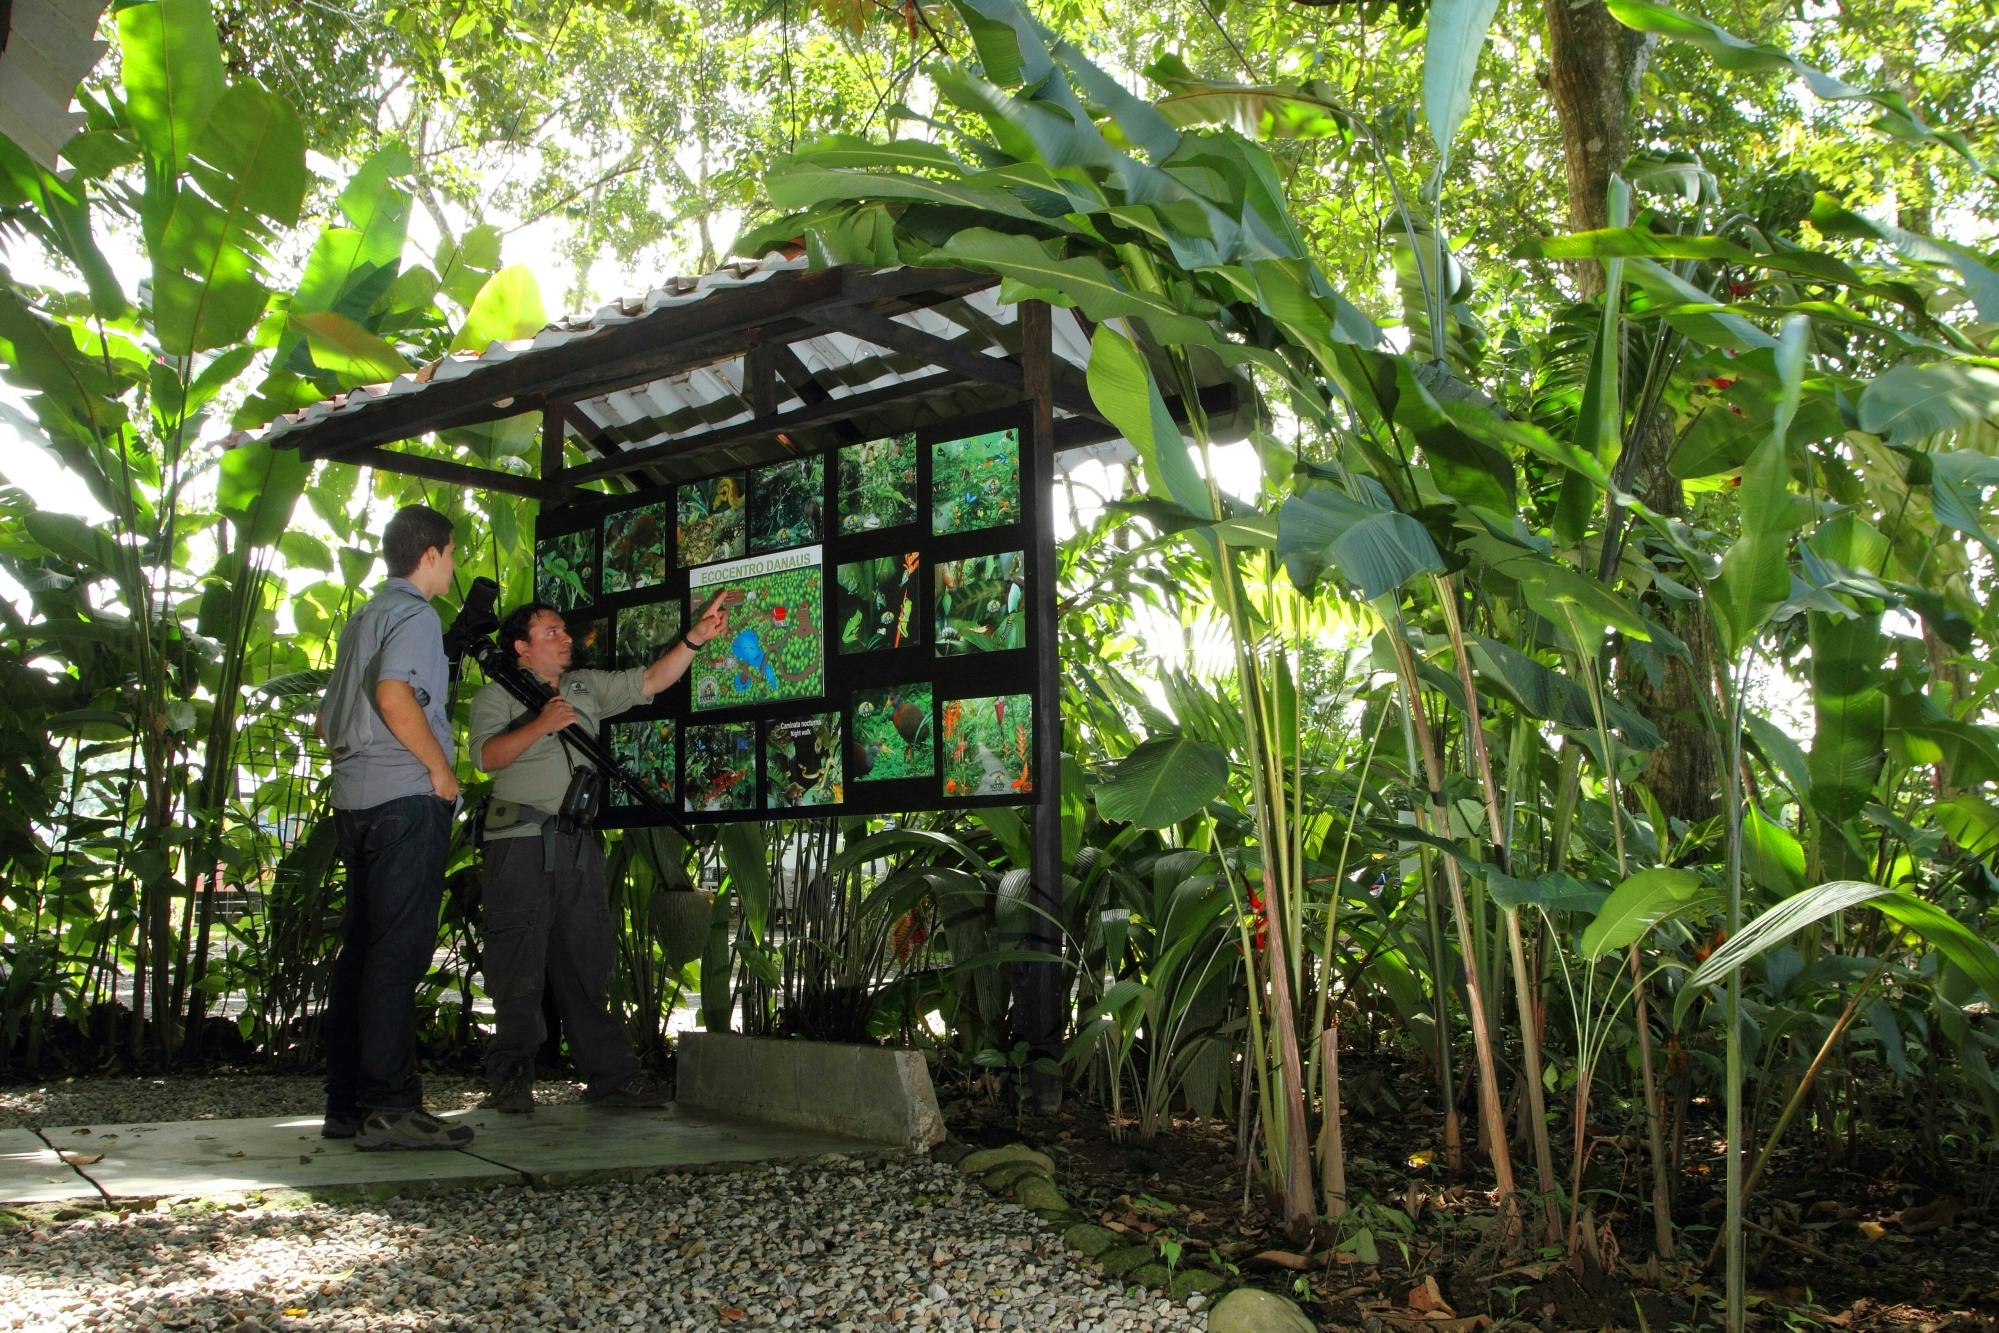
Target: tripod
{"points": [[470, 635]]}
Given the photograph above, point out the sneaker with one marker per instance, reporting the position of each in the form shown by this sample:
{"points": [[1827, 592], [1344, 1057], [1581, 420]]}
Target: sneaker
{"points": [[338, 1125], [513, 1094], [639, 1090], [409, 1129]]}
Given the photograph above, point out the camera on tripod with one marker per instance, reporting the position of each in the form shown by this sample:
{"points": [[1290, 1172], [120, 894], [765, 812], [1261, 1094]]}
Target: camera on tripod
{"points": [[470, 634]]}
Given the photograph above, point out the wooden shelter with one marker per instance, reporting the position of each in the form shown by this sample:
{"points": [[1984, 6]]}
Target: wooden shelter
{"points": [[752, 364]]}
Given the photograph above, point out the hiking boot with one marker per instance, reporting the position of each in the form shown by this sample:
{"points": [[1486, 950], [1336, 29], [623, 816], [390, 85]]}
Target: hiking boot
{"points": [[409, 1129], [513, 1094], [340, 1125], [640, 1090]]}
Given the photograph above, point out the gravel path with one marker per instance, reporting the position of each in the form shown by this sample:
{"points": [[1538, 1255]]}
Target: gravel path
{"points": [[837, 1244]]}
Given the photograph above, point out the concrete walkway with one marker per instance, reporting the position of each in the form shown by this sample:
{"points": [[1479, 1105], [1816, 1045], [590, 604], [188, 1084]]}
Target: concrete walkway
{"points": [[557, 1145]]}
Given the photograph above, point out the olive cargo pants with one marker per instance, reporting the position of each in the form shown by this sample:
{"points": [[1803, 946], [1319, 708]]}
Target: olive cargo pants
{"points": [[552, 924]]}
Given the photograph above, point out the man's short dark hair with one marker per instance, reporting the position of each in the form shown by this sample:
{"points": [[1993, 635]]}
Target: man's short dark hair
{"points": [[414, 530], [514, 628]]}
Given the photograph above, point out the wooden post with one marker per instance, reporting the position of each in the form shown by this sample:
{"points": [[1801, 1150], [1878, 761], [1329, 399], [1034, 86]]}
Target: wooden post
{"points": [[1038, 988], [552, 483]]}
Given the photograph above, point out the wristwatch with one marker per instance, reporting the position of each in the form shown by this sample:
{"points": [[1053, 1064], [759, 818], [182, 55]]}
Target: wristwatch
{"points": [[686, 637]]}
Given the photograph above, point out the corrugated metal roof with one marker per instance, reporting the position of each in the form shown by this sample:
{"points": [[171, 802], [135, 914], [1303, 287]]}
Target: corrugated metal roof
{"points": [[50, 46], [717, 394]]}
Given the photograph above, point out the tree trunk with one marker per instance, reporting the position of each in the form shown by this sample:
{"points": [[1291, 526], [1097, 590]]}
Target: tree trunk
{"points": [[1595, 63]]}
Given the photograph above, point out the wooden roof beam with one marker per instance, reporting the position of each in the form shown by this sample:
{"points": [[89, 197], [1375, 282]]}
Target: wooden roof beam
{"points": [[827, 410], [898, 337]]}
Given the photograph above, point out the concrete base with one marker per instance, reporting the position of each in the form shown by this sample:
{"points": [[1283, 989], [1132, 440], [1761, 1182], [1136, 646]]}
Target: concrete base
{"points": [[867, 1092], [557, 1145]]}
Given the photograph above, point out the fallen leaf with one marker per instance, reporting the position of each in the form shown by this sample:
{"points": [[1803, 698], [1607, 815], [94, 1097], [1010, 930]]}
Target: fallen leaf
{"points": [[1297, 1263], [1937, 1213], [730, 1312], [1871, 1230], [239, 1153], [304, 1160], [1425, 1297], [80, 1131], [81, 1158], [295, 1311]]}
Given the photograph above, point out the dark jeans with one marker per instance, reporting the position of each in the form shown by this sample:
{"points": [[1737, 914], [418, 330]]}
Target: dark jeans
{"points": [[394, 854], [552, 926]]}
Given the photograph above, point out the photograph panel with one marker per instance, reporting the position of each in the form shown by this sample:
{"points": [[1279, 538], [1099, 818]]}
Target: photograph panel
{"points": [[975, 482], [775, 645], [802, 765], [981, 604], [646, 750], [645, 632], [875, 603], [589, 642], [988, 746], [635, 548], [565, 570], [892, 735], [721, 767], [712, 520], [878, 484], [787, 501]]}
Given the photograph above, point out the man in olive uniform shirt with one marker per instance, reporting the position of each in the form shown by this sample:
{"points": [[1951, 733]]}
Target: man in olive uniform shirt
{"points": [[547, 903]]}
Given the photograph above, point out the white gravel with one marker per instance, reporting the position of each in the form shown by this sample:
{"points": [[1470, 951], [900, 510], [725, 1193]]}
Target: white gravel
{"points": [[837, 1244]]}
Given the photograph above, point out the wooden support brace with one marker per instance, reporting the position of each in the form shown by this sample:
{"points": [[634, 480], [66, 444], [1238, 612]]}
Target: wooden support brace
{"points": [[1003, 371]]}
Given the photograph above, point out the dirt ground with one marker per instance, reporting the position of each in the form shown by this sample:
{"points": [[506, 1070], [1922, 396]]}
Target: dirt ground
{"points": [[1873, 1244]]}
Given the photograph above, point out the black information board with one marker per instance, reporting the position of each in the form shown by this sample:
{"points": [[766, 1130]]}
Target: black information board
{"points": [[880, 653]]}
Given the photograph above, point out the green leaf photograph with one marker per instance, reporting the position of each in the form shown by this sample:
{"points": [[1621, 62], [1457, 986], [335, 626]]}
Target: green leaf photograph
{"points": [[875, 603], [721, 771], [786, 504], [635, 545], [646, 749], [878, 484], [975, 482], [645, 632], [566, 570], [980, 604]]}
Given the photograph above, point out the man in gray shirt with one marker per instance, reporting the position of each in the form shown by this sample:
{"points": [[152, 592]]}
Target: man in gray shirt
{"points": [[547, 910], [394, 792]]}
